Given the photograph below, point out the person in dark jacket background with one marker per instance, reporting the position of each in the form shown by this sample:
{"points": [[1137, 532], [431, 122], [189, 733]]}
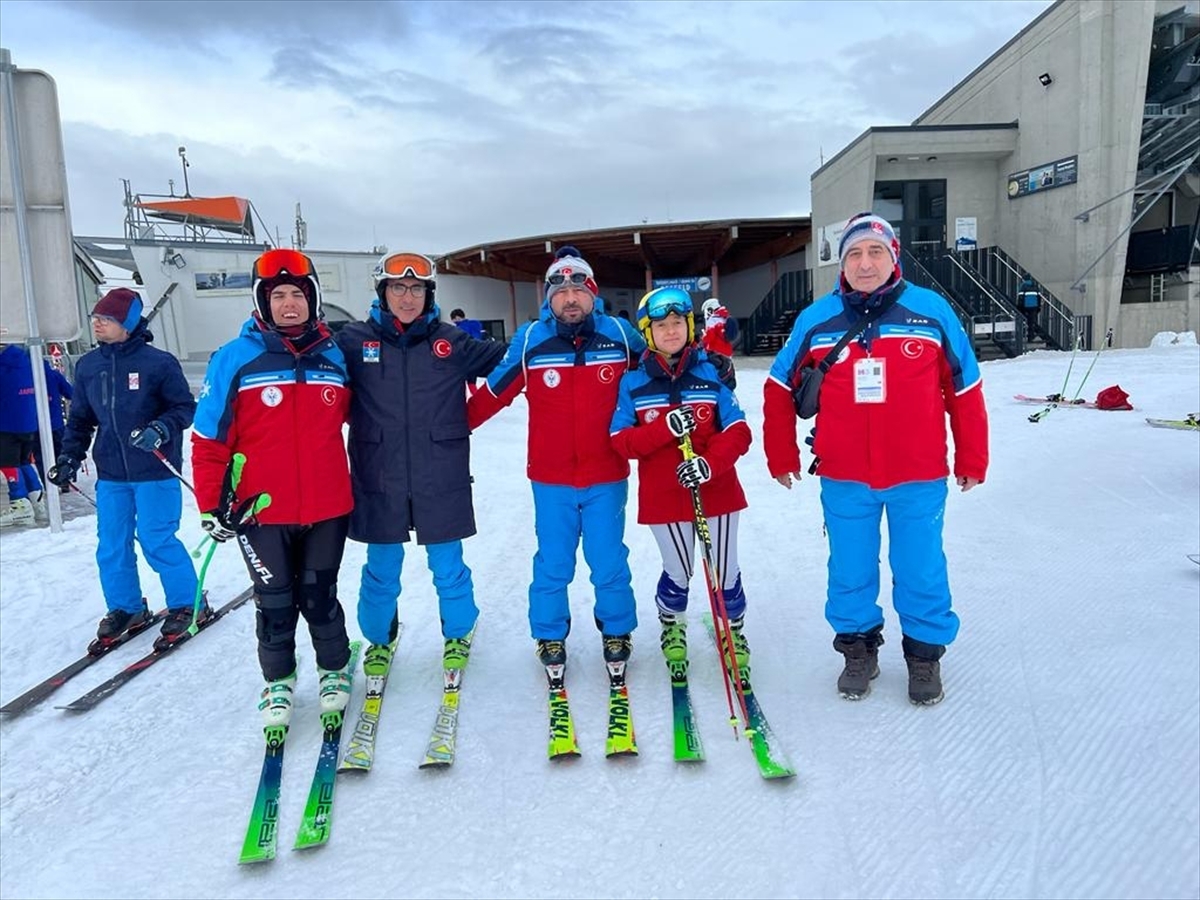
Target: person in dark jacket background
{"points": [[19, 436], [134, 399], [410, 452]]}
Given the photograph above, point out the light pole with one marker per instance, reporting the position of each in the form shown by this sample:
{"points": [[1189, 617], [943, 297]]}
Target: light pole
{"points": [[183, 156]]}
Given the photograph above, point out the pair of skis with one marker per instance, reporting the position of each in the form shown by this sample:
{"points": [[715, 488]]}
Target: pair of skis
{"points": [[620, 739], [1190, 423], [315, 826], [772, 762], [106, 688]]}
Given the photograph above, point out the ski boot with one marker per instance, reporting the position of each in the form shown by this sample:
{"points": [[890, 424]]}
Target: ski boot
{"points": [[115, 623], [275, 704], [179, 619]]}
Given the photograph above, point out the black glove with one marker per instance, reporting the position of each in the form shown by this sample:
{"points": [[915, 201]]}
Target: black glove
{"points": [[63, 471], [217, 529], [724, 366], [681, 421], [150, 438], [693, 472]]}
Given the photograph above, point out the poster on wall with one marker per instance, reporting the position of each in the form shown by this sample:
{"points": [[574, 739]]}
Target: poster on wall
{"points": [[826, 242], [965, 233], [1044, 177]]}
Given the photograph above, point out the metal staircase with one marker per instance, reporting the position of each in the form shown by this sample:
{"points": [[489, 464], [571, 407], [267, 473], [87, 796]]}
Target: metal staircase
{"points": [[770, 324]]}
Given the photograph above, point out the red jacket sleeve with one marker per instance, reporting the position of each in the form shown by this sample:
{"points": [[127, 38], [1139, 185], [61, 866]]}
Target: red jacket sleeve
{"points": [[483, 404], [210, 458], [779, 430], [969, 424], [725, 447], [641, 441]]}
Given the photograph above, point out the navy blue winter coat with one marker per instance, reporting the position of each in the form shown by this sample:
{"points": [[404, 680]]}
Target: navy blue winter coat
{"points": [[120, 387], [18, 409], [410, 449]]}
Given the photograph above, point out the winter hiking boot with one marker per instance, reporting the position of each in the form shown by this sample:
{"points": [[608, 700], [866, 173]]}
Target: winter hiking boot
{"points": [[924, 671], [275, 702], [115, 623], [862, 661], [456, 652], [179, 619], [378, 661], [617, 647]]}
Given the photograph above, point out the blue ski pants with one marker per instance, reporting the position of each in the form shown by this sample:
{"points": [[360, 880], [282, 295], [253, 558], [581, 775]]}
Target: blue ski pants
{"points": [[380, 589], [920, 587], [149, 510], [562, 515]]}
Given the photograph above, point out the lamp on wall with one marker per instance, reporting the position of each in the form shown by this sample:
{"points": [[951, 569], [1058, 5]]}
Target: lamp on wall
{"points": [[1045, 79]]}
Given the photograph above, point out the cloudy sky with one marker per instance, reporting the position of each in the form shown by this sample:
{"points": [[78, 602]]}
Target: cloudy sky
{"points": [[440, 125]]}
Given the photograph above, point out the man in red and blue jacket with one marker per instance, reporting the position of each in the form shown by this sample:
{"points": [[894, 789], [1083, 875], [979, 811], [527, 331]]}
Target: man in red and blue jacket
{"points": [[569, 364], [880, 444]]}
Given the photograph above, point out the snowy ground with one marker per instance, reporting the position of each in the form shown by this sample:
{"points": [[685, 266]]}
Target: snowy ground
{"points": [[1064, 762]]}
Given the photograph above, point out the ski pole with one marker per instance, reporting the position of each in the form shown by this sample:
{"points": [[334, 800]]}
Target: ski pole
{"points": [[716, 600], [1107, 341], [81, 493], [1042, 413], [174, 471], [200, 546], [263, 501]]}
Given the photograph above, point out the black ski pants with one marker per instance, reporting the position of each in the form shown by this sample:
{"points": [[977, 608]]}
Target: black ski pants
{"points": [[295, 572]]}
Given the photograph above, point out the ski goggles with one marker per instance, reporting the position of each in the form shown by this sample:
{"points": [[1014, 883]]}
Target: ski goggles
{"points": [[405, 265], [576, 278], [274, 263], [664, 301]]}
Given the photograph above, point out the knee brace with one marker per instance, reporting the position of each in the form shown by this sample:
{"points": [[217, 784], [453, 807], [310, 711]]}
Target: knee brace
{"points": [[318, 600], [275, 627]]}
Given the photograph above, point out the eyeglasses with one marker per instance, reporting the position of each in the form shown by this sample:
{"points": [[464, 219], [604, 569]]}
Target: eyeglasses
{"points": [[275, 262], [664, 301], [399, 287], [398, 265], [101, 319], [576, 278]]}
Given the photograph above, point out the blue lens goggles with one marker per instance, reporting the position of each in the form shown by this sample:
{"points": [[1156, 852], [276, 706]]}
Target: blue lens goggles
{"points": [[664, 302]]}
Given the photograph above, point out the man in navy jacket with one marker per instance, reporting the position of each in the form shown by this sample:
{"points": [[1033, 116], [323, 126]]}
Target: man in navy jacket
{"points": [[135, 400]]}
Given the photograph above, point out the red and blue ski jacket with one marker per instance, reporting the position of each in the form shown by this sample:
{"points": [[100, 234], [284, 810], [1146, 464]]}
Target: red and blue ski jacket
{"points": [[639, 431], [927, 370], [570, 376], [283, 405]]}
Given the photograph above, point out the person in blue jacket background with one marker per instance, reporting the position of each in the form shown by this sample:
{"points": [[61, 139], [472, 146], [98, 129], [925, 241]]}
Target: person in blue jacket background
{"points": [[134, 399], [19, 438]]}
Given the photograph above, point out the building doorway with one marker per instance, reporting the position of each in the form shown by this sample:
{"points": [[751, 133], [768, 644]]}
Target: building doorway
{"points": [[917, 210]]}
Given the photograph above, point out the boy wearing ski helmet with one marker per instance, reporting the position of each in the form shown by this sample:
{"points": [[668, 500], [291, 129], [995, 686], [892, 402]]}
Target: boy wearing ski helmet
{"points": [[674, 392], [278, 395], [410, 453]]}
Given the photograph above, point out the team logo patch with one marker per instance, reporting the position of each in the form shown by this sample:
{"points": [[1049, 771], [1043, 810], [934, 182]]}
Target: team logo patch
{"points": [[271, 396], [606, 374], [703, 412], [912, 349], [328, 396], [551, 378], [135, 381], [441, 348], [651, 415], [370, 351]]}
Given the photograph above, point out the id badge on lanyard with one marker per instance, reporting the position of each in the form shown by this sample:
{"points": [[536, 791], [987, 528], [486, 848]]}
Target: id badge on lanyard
{"points": [[870, 381]]}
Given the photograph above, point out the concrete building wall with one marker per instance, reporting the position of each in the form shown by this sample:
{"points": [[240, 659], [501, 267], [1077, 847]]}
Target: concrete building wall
{"points": [[741, 292], [1097, 54]]}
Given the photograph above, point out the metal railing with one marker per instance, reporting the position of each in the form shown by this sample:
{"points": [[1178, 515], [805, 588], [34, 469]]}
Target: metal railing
{"points": [[768, 326], [1055, 321]]}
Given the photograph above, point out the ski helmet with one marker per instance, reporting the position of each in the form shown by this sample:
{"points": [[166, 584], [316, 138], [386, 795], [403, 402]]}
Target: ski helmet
{"points": [[406, 265], [276, 267], [660, 303]]}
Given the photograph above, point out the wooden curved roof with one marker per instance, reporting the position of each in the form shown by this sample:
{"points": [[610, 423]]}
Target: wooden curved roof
{"points": [[620, 257]]}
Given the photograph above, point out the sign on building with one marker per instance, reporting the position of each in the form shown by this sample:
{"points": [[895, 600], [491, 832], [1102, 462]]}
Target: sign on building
{"points": [[691, 285], [1059, 173]]}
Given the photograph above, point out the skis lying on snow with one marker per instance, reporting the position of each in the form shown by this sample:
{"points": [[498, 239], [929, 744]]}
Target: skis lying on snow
{"points": [[40, 692], [772, 763], [105, 688], [360, 752], [262, 829], [1191, 423], [318, 812]]}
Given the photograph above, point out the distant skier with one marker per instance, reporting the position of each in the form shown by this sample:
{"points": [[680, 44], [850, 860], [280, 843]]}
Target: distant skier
{"points": [[720, 334]]}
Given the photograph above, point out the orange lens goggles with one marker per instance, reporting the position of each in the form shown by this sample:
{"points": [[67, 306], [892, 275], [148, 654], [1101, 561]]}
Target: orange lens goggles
{"points": [[276, 262], [401, 265]]}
